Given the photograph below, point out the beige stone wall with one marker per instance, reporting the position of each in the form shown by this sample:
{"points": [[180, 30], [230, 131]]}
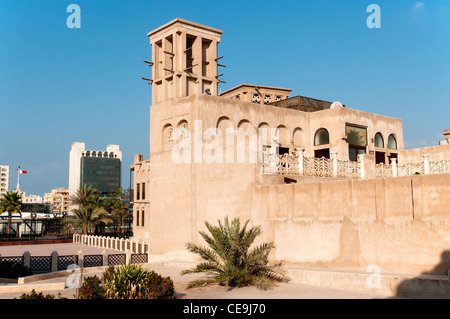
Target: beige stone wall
{"points": [[400, 224], [415, 155], [334, 121]]}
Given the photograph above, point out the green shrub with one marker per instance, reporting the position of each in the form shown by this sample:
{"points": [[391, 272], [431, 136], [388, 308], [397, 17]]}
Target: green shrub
{"points": [[159, 287], [124, 282], [34, 295], [129, 281], [91, 288]]}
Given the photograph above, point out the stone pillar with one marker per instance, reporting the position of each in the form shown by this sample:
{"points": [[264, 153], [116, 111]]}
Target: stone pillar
{"points": [[54, 261], [127, 257], [367, 166], [27, 259], [105, 258], [335, 164], [80, 258], [300, 160], [394, 167], [426, 164]]}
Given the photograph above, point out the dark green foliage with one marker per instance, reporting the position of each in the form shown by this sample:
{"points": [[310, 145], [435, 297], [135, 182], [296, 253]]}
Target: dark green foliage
{"points": [[230, 261], [92, 288], [134, 282], [159, 287], [13, 271], [129, 281], [34, 295]]}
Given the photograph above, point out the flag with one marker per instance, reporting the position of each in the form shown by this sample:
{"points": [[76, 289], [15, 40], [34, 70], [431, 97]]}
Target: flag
{"points": [[22, 171]]}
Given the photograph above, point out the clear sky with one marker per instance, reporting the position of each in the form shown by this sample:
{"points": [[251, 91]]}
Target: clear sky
{"points": [[60, 85]]}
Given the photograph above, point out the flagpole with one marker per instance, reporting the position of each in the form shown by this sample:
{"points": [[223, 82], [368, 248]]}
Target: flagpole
{"points": [[18, 179]]}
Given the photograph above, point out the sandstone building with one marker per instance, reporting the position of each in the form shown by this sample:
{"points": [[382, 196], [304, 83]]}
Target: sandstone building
{"points": [[330, 185]]}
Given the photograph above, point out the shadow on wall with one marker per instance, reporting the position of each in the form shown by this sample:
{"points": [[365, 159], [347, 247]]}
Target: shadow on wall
{"points": [[432, 284]]}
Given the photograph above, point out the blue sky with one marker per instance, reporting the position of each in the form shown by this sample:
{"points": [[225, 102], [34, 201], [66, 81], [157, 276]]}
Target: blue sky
{"points": [[61, 85]]}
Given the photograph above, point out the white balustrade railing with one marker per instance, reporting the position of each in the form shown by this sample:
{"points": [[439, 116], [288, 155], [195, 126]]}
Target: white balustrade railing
{"points": [[297, 164], [113, 243]]}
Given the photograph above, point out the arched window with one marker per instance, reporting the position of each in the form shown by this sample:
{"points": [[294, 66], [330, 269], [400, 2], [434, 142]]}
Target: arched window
{"points": [[167, 137], [379, 142], [297, 137], [224, 126], [322, 137], [392, 142]]}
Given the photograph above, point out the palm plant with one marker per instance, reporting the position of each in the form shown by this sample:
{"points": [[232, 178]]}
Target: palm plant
{"points": [[88, 217], [229, 259], [11, 202], [83, 196], [91, 210], [132, 281]]}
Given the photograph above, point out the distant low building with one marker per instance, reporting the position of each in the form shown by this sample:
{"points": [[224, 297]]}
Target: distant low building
{"points": [[32, 199], [57, 201]]}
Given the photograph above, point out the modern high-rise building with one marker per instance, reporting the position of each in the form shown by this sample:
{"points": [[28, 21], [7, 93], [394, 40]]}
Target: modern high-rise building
{"points": [[99, 169], [4, 178]]}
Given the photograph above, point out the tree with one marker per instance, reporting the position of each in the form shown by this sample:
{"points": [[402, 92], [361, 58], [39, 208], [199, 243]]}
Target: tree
{"points": [[11, 202], [229, 259], [118, 203], [91, 210], [88, 217], [83, 196]]}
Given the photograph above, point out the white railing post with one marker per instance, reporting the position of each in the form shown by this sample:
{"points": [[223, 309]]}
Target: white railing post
{"points": [[363, 170], [426, 164], [300, 160], [136, 248], [122, 246], [394, 167], [335, 164]]}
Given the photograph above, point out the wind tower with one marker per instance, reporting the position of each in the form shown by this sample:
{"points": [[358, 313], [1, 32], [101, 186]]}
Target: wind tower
{"points": [[185, 60]]}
